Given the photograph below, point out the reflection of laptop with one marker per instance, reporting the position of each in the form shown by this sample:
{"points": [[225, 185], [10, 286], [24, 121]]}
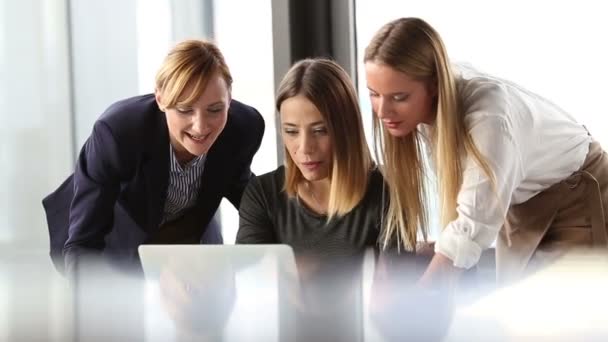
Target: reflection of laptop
{"points": [[265, 278], [240, 257]]}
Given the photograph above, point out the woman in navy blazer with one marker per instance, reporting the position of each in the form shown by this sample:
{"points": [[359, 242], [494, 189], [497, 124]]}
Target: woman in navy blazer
{"points": [[127, 188]]}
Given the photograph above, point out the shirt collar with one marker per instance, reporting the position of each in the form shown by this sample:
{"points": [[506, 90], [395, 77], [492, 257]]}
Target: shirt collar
{"points": [[176, 167]]}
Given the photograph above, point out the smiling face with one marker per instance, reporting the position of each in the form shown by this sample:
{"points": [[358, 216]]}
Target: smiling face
{"points": [[194, 127], [306, 137], [399, 101]]}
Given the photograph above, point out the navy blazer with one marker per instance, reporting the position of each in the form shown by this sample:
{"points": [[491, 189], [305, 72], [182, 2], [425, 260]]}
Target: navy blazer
{"points": [[115, 198]]}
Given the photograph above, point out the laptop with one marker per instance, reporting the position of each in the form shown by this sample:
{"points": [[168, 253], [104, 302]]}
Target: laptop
{"points": [[227, 292]]}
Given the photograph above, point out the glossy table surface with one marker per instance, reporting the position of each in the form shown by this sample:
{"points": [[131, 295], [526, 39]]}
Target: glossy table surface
{"points": [[264, 302]]}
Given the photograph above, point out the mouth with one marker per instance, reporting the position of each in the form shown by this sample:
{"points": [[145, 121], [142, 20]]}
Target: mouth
{"points": [[392, 124], [311, 166], [199, 139]]}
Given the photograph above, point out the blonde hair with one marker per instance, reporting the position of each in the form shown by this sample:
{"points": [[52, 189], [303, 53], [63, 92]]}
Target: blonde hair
{"points": [[325, 84], [412, 46], [191, 63]]}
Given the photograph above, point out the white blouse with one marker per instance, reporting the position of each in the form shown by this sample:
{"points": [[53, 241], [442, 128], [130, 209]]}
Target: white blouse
{"points": [[530, 144]]}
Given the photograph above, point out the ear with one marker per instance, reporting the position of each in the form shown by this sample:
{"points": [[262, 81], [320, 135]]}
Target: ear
{"points": [[158, 100]]}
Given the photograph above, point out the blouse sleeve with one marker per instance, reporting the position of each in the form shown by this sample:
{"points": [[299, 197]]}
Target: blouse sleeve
{"points": [[482, 208]]}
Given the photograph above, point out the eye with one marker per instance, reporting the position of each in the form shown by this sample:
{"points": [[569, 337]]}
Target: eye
{"points": [[290, 131], [320, 130], [400, 97], [215, 110], [372, 94], [184, 110]]}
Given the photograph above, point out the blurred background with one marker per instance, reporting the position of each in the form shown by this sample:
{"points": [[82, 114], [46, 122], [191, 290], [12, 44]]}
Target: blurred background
{"points": [[63, 62]]}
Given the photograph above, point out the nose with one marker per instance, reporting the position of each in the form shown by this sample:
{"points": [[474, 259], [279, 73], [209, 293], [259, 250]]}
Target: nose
{"points": [[383, 109], [198, 123], [307, 143]]}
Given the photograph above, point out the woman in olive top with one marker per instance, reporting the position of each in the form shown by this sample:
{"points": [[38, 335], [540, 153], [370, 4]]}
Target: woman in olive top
{"points": [[327, 197], [325, 202]]}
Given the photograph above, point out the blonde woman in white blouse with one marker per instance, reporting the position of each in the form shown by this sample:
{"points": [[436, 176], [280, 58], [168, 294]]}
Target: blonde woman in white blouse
{"points": [[503, 156]]}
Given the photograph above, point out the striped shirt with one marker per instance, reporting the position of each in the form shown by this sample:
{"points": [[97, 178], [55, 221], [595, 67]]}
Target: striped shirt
{"points": [[184, 186]]}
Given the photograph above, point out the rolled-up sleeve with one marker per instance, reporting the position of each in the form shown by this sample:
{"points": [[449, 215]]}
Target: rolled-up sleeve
{"points": [[481, 207]]}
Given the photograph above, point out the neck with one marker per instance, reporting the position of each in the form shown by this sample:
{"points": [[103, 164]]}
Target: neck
{"points": [[320, 189], [184, 159], [181, 154], [315, 195]]}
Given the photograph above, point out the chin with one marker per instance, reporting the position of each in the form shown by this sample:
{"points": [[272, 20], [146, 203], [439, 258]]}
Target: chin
{"points": [[313, 177], [198, 151], [398, 133]]}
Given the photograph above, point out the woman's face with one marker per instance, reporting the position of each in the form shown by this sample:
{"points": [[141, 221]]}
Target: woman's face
{"points": [[194, 128], [306, 137], [399, 101]]}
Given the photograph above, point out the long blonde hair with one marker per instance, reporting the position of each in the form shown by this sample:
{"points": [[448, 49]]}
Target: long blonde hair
{"points": [[412, 46], [324, 83]]}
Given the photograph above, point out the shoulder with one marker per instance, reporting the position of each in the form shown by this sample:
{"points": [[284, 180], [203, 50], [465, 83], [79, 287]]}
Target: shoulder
{"points": [[244, 120], [134, 118], [480, 92], [375, 193], [270, 183], [376, 179], [376, 184], [243, 133], [264, 191], [133, 110], [130, 128], [487, 101]]}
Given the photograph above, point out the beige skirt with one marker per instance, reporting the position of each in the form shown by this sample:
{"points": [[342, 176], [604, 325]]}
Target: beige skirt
{"points": [[570, 214]]}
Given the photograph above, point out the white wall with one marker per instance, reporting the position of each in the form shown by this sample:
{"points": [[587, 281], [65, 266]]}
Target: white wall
{"points": [[245, 38], [554, 48], [35, 133], [35, 156], [104, 58]]}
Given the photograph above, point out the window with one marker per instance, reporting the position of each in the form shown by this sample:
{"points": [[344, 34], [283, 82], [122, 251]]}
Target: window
{"points": [[245, 38]]}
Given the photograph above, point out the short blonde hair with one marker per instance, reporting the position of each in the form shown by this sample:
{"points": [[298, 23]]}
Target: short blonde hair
{"points": [[189, 63], [324, 83]]}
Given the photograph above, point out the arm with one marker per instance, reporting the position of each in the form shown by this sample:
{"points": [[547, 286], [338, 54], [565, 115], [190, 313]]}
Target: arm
{"points": [[96, 188], [255, 224], [481, 208], [243, 172]]}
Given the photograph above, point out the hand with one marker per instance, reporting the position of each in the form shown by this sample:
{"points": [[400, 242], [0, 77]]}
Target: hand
{"points": [[324, 285], [401, 308], [440, 273], [425, 249], [198, 300]]}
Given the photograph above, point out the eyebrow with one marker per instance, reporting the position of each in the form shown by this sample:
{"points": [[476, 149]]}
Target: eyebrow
{"points": [[391, 94], [312, 124], [215, 104]]}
